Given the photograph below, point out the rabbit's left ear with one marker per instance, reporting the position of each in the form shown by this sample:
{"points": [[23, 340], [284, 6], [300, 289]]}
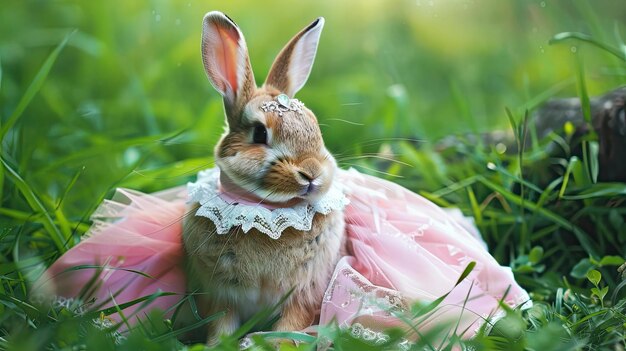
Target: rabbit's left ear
{"points": [[226, 62], [293, 64]]}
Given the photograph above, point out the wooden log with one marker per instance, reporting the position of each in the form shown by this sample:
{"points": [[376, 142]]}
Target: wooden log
{"points": [[608, 120]]}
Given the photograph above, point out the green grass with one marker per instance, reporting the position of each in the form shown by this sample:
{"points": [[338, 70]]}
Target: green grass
{"points": [[96, 95]]}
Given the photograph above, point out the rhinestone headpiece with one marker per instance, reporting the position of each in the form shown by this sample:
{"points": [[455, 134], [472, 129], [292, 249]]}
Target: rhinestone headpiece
{"points": [[283, 104]]}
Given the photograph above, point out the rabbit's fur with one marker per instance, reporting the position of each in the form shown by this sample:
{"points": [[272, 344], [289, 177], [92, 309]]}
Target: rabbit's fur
{"points": [[242, 273]]}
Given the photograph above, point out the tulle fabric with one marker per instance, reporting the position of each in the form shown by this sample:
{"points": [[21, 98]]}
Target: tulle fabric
{"points": [[132, 250], [405, 249], [402, 248]]}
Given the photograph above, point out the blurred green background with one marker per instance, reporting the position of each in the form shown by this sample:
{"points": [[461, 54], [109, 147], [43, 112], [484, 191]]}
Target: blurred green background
{"points": [[127, 101]]}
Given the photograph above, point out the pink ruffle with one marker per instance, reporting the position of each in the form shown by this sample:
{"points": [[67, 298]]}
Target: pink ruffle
{"points": [[132, 233], [402, 247]]}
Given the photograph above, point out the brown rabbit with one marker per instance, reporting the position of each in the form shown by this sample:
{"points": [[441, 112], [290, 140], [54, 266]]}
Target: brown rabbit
{"points": [[273, 158]]}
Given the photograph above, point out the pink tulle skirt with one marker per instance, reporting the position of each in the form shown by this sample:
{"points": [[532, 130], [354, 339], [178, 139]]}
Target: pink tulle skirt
{"points": [[403, 249]]}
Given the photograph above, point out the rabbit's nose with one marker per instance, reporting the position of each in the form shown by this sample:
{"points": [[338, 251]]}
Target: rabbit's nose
{"points": [[306, 176], [308, 183], [309, 169]]}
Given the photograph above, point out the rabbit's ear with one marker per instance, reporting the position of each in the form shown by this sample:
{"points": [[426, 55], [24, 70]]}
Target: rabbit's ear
{"points": [[293, 64], [226, 62]]}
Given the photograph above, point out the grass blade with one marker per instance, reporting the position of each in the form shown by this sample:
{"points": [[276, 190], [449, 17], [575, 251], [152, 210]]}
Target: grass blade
{"points": [[101, 267], [100, 149], [298, 336], [1, 169], [264, 314], [509, 115], [35, 217], [190, 327], [599, 190], [570, 166], [34, 87], [582, 237], [122, 306], [37, 206], [70, 186], [582, 91], [576, 36], [475, 207], [423, 310]]}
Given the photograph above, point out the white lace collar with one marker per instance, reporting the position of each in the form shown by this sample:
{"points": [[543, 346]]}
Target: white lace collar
{"points": [[226, 214]]}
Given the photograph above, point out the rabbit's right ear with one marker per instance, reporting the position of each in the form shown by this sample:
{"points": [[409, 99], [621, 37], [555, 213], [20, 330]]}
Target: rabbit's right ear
{"points": [[293, 64], [226, 62]]}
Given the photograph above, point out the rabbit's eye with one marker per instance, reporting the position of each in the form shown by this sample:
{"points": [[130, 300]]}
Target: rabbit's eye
{"points": [[259, 135]]}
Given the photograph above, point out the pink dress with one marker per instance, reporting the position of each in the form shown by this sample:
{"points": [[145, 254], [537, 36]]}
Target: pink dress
{"points": [[403, 249]]}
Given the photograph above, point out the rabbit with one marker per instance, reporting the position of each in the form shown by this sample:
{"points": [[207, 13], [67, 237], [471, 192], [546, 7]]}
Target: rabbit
{"points": [[271, 158]]}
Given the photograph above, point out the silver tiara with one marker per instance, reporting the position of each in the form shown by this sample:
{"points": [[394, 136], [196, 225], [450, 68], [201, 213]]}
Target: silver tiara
{"points": [[283, 104]]}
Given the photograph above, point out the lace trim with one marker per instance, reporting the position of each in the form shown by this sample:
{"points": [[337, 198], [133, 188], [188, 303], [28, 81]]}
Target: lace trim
{"points": [[271, 222], [376, 338], [80, 308]]}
